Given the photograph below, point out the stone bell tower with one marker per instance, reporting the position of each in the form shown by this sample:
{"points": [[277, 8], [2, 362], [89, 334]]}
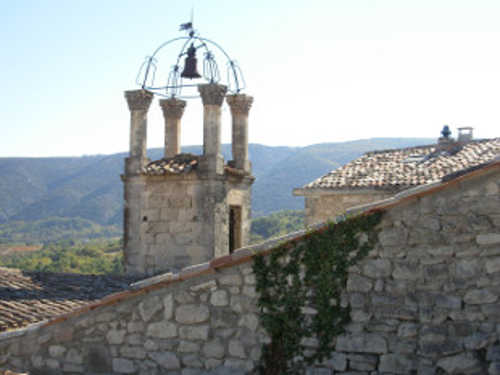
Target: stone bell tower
{"points": [[185, 209]]}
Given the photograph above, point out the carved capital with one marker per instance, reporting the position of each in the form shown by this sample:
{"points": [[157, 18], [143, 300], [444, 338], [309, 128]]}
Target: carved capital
{"points": [[172, 108], [239, 103], [212, 94], [138, 100]]}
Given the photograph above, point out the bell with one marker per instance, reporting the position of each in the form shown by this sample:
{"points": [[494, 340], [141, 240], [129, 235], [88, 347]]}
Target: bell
{"points": [[190, 71]]}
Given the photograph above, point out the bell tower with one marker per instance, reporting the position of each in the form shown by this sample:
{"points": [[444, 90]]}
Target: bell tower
{"points": [[186, 209]]}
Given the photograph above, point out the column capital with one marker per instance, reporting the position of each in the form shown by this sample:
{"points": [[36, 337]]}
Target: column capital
{"points": [[138, 100], [172, 108], [212, 93], [239, 103]]}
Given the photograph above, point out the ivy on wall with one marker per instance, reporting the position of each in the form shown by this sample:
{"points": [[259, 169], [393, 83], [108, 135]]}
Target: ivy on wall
{"points": [[300, 286]]}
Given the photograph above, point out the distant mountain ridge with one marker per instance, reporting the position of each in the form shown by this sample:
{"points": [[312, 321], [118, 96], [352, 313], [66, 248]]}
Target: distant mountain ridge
{"points": [[89, 187]]}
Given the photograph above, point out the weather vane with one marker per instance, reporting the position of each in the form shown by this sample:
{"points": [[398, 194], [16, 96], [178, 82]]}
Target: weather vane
{"points": [[176, 79]]}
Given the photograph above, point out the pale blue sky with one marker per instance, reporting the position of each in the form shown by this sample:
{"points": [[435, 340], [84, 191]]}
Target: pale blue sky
{"points": [[320, 71]]}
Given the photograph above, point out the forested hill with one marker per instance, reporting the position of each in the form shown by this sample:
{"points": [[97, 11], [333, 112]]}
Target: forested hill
{"points": [[89, 187]]}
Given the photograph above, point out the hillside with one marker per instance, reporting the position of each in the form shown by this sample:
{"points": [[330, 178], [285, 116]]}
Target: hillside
{"points": [[89, 187]]}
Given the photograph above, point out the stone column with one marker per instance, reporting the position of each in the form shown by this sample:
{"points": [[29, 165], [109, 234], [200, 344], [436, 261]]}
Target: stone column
{"points": [[173, 110], [240, 106], [138, 103], [212, 96]]}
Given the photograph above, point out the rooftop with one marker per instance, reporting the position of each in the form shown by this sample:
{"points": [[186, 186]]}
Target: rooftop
{"points": [[31, 297], [400, 169]]}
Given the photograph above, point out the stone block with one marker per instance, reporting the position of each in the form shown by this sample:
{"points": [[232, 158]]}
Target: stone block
{"points": [[214, 349], [194, 332], [188, 347], [337, 362], [249, 321], [362, 343], [149, 307], [461, 363], [74, 356], [233, 280], [408, 330], [162, 330], [56, 351], [397, 364], [377, 268], [494, 368], [357, 283], [493, 265], [467, 268], [133, 352], [192, 360], [488, 239], [124, 366], [167, 360], [236, 349], [190, 314], [116, 336], [479, 296], [219, 298]]}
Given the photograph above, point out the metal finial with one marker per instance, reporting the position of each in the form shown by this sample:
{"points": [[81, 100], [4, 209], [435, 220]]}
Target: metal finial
{"points": [[446, 132]]}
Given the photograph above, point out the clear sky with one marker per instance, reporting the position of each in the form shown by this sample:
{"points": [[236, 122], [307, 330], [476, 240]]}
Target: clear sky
{"points": [[320, 71]]}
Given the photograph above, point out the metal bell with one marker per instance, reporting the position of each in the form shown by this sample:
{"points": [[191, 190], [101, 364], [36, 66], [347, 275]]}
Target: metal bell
{"points": [[190, 71]]}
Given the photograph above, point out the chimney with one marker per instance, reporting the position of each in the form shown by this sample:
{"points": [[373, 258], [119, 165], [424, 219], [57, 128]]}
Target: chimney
{"points": [[172, 113], [212, 96], [465, 134], [138, 103], [240, 105]]}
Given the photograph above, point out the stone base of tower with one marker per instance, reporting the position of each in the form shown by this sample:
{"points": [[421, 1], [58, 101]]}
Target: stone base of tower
{"points": [[184, 216]]}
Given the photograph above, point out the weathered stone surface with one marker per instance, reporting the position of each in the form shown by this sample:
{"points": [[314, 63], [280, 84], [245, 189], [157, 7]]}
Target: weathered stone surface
{"points": [[250, 321], [162, 330], [74, 356], [116, 337], [168, 305], [190, 314], [56, 350], [194, 332], [236, 349], [133, 352], [408, 330], [488, 239], [124, 366], [493, 265], [377, 268], [230, 280], [166, 360], [214, 349], [462, 363], [219, 298], [397, 364], [366, 343], [480, 296], [357, 283]]}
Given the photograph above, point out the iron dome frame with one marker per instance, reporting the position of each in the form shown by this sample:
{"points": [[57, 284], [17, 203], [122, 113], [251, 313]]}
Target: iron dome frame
{"points": [[146, 77]]}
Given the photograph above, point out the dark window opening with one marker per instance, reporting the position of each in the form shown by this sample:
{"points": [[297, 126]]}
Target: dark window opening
{"points": [[234, 228]]}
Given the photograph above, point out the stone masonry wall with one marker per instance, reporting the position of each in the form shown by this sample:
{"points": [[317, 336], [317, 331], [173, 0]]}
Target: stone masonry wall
{"points": [[321, 208], [424, 301], [179, 218]]}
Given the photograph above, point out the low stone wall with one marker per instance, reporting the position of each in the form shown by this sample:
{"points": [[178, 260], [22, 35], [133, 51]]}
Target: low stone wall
{"points": [[323, 207], [425, 301]]}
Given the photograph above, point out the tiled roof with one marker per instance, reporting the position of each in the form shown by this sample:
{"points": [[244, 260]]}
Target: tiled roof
{"points": [[400, 169], [30, 297], [181, 163]]}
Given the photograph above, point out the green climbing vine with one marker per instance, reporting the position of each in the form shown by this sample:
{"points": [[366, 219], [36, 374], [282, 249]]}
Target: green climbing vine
{"points": [[300, 286]]}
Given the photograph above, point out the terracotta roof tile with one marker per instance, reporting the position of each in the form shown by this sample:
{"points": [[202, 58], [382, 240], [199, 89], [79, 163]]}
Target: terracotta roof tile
{"points": [[30, 297], [403, 168], [181, 163]]}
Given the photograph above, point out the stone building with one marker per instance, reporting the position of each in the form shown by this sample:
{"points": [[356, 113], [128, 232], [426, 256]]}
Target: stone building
{"points": [[425, 300], [185, 209], [379, 175]]}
